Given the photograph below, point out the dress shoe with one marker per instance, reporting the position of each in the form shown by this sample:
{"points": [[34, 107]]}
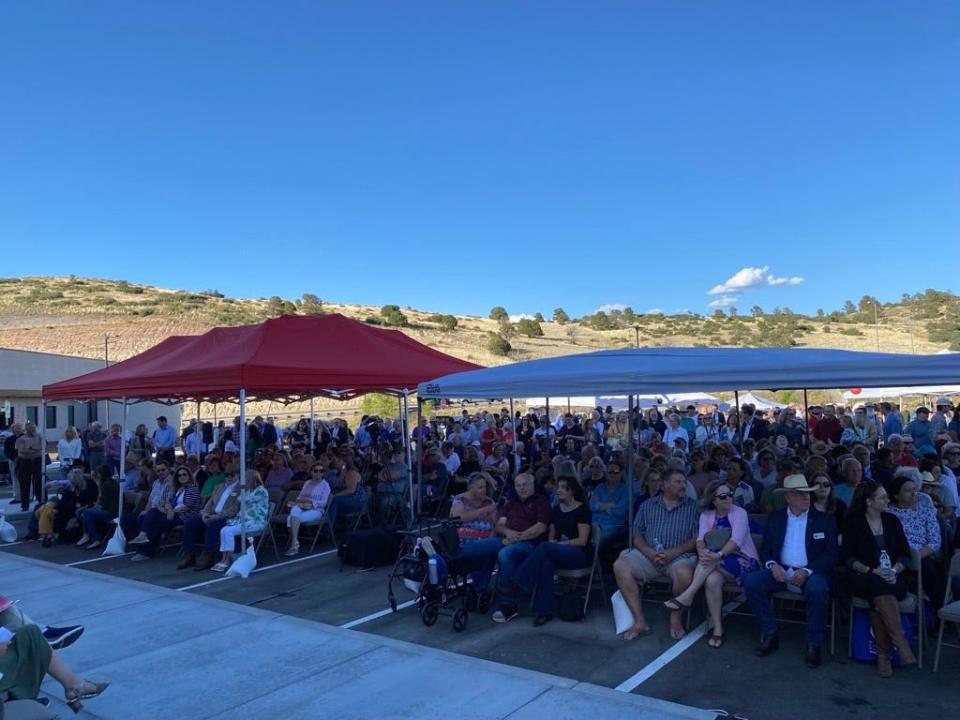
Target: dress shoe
{"points": [[542, 620], [205, 562], [767, 645], [188, 561], [813, 657]]}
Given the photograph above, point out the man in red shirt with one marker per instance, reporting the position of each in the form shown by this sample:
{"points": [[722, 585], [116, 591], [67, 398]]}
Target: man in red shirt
{"points": [[523, 523], [828, 428], [901, 451]]}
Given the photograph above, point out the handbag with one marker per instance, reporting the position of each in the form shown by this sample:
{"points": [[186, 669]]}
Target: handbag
{"points": [[718, 537], [864, 644], [622, 617]]}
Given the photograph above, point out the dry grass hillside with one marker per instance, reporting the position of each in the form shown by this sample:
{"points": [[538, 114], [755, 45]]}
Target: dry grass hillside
{"points": [[72, 315]]}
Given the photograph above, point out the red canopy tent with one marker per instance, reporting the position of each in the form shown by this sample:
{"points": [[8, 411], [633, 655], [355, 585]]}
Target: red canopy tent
{"points": [[286, 359]]}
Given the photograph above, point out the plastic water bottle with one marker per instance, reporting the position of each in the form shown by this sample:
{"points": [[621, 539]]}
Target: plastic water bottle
{"points": [[885, 563], [657, 545], [432, 571]]}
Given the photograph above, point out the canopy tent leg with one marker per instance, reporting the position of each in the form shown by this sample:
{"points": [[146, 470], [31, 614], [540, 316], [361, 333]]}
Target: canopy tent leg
{"points": [[43, 453], [736, 401], [513, 424], [546, 430], [568, 405], [123, 457], [243, 470], [419, 456], [629, 473], [312, 428], [404, 428], [216, 426], [199, 438], [806, 419]]}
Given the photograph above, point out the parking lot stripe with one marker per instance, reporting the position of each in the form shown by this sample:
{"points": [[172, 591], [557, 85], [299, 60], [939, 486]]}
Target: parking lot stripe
{"points": [[258, 570], [675, 651], [97, 559], [374, 616]]}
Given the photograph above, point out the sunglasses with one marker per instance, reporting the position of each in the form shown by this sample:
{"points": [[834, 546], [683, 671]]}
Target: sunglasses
{"points": [[824, 483], [723, 496], [613, 472]]}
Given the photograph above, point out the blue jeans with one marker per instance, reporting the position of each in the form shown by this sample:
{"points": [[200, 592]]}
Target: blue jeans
{"points": [[155, 524], [510, 558], [211, 534], [759, 586], [538, 569], [486, 549], [347, 504], [92, 516]]}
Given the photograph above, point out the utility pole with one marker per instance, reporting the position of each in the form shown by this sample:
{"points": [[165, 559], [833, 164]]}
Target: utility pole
{"points": [[876, 323], [636, 330], [106, 363]]}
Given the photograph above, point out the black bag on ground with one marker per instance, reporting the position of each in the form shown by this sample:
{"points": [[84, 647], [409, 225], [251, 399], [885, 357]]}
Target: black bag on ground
{"points": [[372, 547], [570, 606]]}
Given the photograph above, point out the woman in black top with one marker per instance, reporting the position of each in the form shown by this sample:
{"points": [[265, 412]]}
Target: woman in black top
{"points": [[876, 552], [568, 546]]}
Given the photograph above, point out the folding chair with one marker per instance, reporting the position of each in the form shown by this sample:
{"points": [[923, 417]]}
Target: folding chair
{"points": [[593, 572], [950, 612], [356, 517], [279, 518], [912, 603], [264, 532]]}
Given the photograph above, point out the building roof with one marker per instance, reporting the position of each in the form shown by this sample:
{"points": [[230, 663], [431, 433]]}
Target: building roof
{"points": [[25, 372]]}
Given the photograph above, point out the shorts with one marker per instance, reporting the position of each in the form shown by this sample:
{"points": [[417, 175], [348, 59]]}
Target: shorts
{"points": [[644, 571]]}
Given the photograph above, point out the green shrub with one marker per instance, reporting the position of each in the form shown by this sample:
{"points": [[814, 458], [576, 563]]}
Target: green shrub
{"points": [[498, 344], [530, 328]]}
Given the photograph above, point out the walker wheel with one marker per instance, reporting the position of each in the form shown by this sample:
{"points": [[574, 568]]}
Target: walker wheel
{"points": [[460, 620], [430, 613]]}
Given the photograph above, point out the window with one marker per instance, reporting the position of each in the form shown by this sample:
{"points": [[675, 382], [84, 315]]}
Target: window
{"points": [[51, 417], [33, 414], [71, 415]]}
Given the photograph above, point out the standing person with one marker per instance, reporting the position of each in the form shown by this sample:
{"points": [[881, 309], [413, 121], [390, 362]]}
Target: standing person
{"points": [[799, 554], [664, 538], [29, 447], [876, 551], [165, 441], [892, 425], [938, 421], [94, 442], [69, 450], [828, 428], [112, 447], [10, 452], [921, 430], [141, 447]]}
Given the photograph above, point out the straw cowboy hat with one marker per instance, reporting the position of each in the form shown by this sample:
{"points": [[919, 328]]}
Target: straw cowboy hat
{"points": [[795, 482]]}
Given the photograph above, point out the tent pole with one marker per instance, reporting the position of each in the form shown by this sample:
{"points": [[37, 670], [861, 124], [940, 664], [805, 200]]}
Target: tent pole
{"points": [[243, 470], [213, 434], [629, 470], [43, 453], [806, 419], [312, 429], [736, 400], [199, 438], [568, 405], [123, 458], [404, 422], [419, 456], [513, 424], [546, 430]]}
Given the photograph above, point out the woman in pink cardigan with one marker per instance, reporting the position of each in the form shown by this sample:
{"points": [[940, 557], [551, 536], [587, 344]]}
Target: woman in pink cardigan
{"points": [[726, 551]]}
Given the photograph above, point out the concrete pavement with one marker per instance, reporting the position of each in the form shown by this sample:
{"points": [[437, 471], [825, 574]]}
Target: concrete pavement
{"points": [[174, 654]]}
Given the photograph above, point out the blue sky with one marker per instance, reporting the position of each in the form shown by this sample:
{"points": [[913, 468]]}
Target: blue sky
{"points": [[456, 155]]}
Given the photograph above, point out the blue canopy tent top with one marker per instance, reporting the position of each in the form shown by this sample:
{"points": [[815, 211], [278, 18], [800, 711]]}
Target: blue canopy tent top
{"points": [[678, 370]]}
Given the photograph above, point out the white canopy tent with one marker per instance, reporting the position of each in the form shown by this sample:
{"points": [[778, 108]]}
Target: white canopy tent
{"points": [[619, 402], [684, 370], [758, 402], [895, 392]]}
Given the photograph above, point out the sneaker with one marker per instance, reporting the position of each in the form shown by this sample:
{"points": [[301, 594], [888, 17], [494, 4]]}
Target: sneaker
{"points": [[139, 540], [139, 558], [61, 637], [504, 614]]}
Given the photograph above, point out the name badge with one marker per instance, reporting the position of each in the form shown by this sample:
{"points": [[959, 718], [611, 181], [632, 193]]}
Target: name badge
{"points": [[819, 536]]}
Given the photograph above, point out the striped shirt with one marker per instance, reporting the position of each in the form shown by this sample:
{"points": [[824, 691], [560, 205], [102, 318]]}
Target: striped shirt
{"points": [[670, 527]]}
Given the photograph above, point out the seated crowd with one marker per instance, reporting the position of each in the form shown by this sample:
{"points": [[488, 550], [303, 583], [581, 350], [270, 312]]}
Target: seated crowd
{"points": [[816, 506]]}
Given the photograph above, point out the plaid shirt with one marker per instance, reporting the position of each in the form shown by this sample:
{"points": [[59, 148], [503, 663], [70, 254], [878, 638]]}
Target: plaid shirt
{"points": [[670, 527]]}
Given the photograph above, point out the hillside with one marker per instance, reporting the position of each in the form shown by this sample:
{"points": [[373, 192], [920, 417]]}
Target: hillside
{"points": [[72, 316]]}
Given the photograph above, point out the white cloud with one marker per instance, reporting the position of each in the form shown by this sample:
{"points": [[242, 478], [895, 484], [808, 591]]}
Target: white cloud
{"points": [[653, 311], [723, 301], [751, 277], [521, 316], [611, 306]]}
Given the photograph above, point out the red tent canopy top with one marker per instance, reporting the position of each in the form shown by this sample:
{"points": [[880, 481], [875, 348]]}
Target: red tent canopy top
{"points": [[286, 359]]}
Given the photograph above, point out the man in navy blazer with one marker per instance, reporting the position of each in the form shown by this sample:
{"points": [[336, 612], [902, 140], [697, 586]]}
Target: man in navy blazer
{"points": [[799, 554]]}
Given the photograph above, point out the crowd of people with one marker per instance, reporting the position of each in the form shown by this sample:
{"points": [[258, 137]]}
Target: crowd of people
{"points": [[824, 503]]}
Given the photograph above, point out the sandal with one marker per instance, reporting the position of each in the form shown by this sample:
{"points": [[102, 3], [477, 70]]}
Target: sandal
{"points": [[716, 641], [634, 634], [75, 695], [94, 545], [220, 567], [294, 550], [675, 605]]}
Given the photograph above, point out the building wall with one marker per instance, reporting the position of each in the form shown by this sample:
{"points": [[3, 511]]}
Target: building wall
{"points": [[26, 407]]}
